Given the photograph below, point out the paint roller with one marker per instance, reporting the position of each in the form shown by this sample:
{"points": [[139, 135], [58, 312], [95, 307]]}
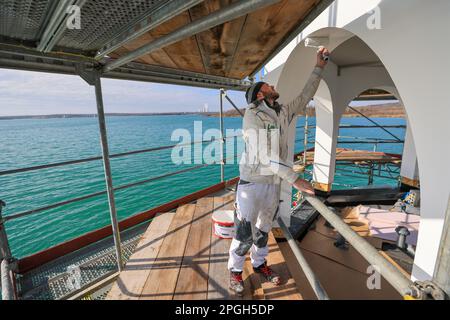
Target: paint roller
{"points": [[318, 43]]}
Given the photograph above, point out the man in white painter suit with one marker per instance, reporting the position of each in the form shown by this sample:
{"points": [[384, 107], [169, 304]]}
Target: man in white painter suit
{"points": [[264, 164]]}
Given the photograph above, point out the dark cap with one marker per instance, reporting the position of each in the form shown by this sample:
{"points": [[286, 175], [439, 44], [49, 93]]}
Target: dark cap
{"points": [[252, 92]]}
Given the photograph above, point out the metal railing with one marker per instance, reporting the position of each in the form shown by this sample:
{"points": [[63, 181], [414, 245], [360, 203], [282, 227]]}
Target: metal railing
{"points": [[99, 158], [100, 193], [93, 78], [6, 267], [346, 140]]}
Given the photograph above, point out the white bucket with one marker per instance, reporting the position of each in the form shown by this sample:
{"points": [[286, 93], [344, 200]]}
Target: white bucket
{"points": [[224, 224]]}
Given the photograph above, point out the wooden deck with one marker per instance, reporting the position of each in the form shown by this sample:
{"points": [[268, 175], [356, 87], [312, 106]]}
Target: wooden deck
{"points": [[179, 258]]}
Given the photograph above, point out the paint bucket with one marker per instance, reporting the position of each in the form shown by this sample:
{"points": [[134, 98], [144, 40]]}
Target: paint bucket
{"points": [[224, 224]]}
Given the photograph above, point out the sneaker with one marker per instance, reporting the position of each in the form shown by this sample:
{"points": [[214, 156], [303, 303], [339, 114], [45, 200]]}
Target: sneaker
{"points": [[268, 273], [236, 283]]}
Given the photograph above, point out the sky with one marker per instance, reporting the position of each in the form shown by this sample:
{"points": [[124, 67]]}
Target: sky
{"points": [[32, 93]]}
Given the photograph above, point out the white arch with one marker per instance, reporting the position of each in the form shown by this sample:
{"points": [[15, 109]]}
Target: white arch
{"points": [[410, 46]]}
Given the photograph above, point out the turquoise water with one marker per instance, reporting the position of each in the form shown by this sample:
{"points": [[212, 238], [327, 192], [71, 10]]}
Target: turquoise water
{"points": [[34, 142]]}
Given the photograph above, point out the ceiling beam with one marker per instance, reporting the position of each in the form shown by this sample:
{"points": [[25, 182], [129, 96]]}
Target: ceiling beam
{"points": [[42, 62], [231, 12], [147, 22], [57, 25]]}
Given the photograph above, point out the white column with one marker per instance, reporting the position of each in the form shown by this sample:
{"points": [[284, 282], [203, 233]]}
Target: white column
{"points": [[327, 131], [410, 168], [422, 82]]}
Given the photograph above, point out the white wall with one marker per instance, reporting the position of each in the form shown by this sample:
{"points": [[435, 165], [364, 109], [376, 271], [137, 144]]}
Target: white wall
{"points": [[423, 86], [346, 11], [410, 165]]}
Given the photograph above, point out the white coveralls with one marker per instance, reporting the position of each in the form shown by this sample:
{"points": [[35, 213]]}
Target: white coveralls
{"points": [[264, 164]]}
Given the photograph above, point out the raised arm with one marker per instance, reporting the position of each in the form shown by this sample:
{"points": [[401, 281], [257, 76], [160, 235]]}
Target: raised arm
{"points": [[298, 106]]}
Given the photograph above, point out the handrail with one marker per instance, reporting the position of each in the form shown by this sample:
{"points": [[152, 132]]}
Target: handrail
{"points": [[113, 156], [354, 126], [96, 194], [362, 142], [6, 276], [375, 123], [372, 142], [7, 280], [365, 138], [395, 277], [351, 126], [361, 174], [307, 270], [354, 172]]}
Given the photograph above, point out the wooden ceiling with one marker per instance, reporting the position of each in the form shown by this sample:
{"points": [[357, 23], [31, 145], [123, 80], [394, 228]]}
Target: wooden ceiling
{"points": [[235, 49]]}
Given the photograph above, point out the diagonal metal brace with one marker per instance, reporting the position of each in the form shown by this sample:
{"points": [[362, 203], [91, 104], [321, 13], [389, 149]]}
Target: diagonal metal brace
{"points": [[89, 74]]}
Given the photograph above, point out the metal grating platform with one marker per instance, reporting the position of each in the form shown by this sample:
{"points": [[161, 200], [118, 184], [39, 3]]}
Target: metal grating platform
{"points": [[302, 217], [103, 19], [55, 280], [125, 25], [24, 19]]}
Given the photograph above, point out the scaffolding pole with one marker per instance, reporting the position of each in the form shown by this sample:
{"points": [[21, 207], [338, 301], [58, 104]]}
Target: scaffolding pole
{"points": [[313, 280], [107, 168], [397, 279], [305, 147], [222, 138], [7, 276], [7, 281]]}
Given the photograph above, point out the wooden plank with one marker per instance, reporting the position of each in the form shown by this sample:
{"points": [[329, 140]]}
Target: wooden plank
{"points": [[131, 281], [38, 259], [395, 264], [288, 289], [185, 54], [193, 279], [233, 49], [340, 282], [359, 156], [158, 57], [161, 283], [219, 275], [252, 283], [228, 204], [321, 242]]}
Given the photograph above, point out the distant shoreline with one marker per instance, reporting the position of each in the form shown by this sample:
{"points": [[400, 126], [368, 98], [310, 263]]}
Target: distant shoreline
{"points": [[376, 111], [389, 110], [72, 116]]}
